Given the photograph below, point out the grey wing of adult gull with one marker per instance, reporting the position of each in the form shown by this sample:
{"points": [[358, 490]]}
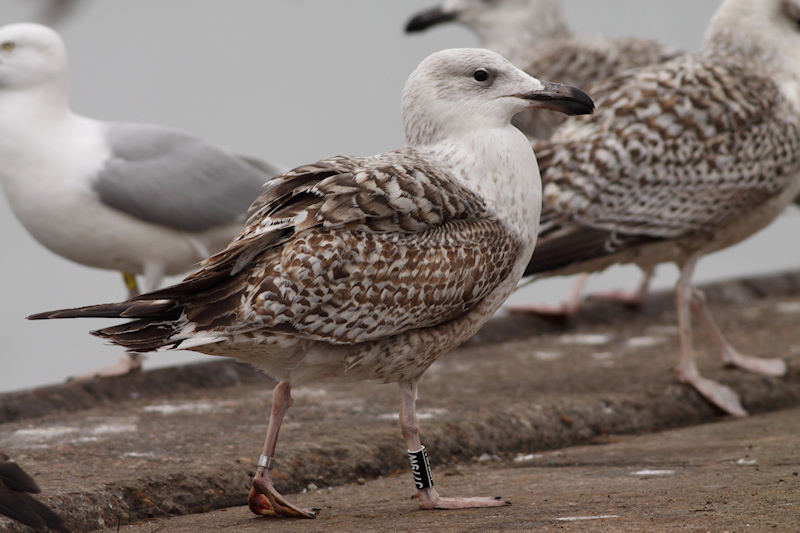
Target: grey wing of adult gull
{"points": [[176, 180]]}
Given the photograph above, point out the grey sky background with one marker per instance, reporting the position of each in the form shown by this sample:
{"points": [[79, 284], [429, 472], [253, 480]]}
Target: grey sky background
{"points": [[290, 81]]}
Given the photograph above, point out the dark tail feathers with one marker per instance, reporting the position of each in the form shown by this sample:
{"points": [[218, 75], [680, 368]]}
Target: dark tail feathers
{"points": [[147, 309]]}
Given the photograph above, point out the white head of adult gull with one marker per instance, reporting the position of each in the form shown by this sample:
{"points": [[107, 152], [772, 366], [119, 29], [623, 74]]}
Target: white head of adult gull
{"points": [[682, 160], [371, 267], [534, 36], [136, 198]]}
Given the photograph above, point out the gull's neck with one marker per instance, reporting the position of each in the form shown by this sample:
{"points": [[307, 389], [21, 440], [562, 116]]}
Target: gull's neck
{"points": [[41, 139], [499, 165], [33, 107]]}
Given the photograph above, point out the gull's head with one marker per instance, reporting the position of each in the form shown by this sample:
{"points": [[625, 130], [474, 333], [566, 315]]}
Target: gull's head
{"points": [[455, 92], [496, 20], [767, 31], [31, 55]]}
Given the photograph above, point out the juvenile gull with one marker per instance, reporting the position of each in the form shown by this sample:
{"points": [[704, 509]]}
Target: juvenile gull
{"points": [[371, 267], [534, 36], [16, 502], [683, 159]]}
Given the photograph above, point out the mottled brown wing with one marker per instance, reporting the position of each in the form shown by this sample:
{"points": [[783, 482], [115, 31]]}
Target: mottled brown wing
{"points": [[354, 255], [582, 61], [673, 151], [398, 191], [348, 287]]}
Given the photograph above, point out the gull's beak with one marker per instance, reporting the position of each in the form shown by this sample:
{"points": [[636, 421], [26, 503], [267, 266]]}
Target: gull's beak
{"points": [[431, 17], [562, 98]]}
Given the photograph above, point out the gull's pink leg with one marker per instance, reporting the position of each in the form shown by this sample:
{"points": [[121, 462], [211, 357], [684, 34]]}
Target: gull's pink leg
{"points": [[731, 357], [717, 393], [566, 309], [264, 499], [409, 425], [131, 361], [635, 299]]}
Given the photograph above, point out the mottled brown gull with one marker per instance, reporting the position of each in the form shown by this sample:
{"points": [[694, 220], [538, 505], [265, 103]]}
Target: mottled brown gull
{"points": [[534, 36], [682, 159], [16, 502], [371, 267]]}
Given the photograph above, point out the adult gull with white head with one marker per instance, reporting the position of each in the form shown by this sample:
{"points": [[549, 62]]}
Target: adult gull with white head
{"points": [[138, 198]]}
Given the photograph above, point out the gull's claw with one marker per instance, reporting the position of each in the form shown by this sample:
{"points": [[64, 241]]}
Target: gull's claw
{"points": [[265, 500]]}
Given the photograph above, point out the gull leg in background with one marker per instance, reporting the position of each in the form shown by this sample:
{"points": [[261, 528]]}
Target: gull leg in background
{"points": [[634, 299], [264, 499], [731, 357], [130, 361], [566, 309], [409, 425], [131, 284], [723, 397]]}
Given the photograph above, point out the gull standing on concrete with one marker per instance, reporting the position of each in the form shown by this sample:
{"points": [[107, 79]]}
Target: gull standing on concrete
{"points": [[534, 36], [682, 159], [371, 267], [16, 502], [136, 198]]}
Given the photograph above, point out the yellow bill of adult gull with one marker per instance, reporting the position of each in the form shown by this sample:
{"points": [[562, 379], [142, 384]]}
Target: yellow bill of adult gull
{"points": [[682, 159], [534, 36], [371, 267]]}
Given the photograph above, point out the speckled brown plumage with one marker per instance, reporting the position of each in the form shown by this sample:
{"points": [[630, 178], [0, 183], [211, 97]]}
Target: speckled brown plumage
{"points": [[681, 159], [346, 251], [370, 267], [675, 151], [16, 502], [583, 61]]}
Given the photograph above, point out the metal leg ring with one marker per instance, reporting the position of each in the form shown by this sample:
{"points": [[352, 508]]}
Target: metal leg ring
{"points": [[267, 462]]}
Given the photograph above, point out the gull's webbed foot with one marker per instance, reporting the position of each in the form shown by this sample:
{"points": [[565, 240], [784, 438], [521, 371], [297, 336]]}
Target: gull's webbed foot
{"points": [[759, 365], [265, 500], [430, 499], [720, 395], [127, 364]]}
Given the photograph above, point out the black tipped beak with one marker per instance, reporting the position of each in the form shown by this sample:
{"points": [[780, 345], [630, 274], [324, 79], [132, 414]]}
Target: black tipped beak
{"points": [[426, 19], [562, 98]]}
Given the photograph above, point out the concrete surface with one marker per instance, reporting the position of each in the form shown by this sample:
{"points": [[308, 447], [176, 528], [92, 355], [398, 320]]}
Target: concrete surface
{"points": [[184, 441], [734, 475]]}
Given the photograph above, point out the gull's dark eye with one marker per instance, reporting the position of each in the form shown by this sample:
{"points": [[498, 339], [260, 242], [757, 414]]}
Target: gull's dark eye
{"points": [[8, 46], [792, 11], [481, 75]]}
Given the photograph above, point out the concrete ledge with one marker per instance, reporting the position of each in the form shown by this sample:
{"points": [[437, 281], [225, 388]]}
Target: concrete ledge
{"points": [[184, 440]]}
